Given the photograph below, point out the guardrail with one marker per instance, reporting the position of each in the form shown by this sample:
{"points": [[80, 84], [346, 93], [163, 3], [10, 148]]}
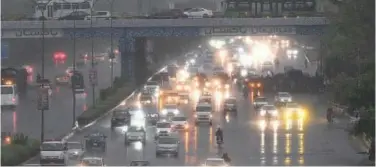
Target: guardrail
{"points": [[203, 22]]}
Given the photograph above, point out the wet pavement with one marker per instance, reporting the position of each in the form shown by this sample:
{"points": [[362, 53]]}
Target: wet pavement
{"points": [[284, 142], [25, 118]]}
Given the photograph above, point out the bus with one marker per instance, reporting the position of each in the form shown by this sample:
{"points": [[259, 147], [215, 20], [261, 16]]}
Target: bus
{"points": [[268, 8], [55, 9]]}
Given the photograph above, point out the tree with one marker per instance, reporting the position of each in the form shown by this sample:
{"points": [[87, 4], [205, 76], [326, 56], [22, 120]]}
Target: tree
{"points": [[350, 59]]}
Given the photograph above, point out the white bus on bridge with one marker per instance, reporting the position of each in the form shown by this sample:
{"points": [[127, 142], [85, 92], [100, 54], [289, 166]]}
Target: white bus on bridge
{"points": [[55, 9]]}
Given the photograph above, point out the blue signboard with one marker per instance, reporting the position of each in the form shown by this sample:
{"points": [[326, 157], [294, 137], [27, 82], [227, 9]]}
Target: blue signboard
{"points": [[4, 50]]}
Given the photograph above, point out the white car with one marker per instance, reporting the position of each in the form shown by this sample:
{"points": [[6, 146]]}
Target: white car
{"points": [[167, 145], [99, 15], [203, 113], [199, 13], [163, 128], [283, 97], [9, 96], [92, 161], [269, 110], [215, 162], [259, 102], [75, 150], [170, 110], [53, 152], [135, 133], [180, 123]]}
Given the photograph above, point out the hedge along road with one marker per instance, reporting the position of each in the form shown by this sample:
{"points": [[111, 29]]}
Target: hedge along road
{"points": [[25, 118]]}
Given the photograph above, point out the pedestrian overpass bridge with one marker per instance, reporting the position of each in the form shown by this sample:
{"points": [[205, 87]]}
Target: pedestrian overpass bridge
{"points": [[132, 32]]}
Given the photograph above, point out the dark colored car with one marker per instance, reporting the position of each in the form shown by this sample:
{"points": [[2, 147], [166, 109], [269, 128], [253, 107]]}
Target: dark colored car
{"points": [[230, 105], [120, 118], [95, 141], [77, 15], [140, 163], [169, 14]]}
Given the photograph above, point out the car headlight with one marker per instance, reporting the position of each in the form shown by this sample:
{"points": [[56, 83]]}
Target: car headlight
{"points": [[176, 112], [274, 113], [148, 101], [258, 85], [139, 114], [178, 87], [195, 116], [164, 112], [262, 112], [210, 116], [289, 99], [207, 84]]}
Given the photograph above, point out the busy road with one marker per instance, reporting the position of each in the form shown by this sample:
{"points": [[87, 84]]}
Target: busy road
{"points": [[25, 118], [309, 141]]}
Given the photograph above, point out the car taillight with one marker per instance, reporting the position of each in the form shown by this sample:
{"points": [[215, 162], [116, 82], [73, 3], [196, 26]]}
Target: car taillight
{"points": [[13, 99]]}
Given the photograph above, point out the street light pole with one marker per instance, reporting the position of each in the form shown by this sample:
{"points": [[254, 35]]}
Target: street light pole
{"points": [[75, 7], [112, 55], [92, 50], [42, 58]]}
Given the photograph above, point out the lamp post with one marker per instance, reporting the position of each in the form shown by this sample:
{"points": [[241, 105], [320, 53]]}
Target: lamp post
{"points": [[42, 8], [92, 50], [75, 7], [112, 54]]}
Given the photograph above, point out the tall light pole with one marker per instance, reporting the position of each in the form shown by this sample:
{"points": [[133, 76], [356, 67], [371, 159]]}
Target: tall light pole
{"points": [[92, 50], [75, 7], [112, 54], [42, 8]]}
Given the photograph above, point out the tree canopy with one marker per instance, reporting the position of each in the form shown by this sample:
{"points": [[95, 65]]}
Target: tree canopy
{"points": [[349, 61]]}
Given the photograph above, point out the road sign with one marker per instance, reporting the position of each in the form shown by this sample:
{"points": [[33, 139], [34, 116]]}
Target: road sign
{"points": [[43, 99], [93, 77], [4, 50]]}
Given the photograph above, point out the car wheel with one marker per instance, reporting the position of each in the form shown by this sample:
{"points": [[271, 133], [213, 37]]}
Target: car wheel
{"points": [[210, 123], [156, 154], [176, 155], [205, 16], [196, 123], [144, 141]]}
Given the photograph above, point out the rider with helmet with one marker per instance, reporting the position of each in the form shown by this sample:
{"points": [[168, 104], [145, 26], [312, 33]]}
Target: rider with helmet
{"points": [[219, 134], [329, 114]]}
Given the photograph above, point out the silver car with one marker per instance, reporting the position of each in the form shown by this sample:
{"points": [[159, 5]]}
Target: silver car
{"points": [[167, 145], [135, 133], [75, 150]]}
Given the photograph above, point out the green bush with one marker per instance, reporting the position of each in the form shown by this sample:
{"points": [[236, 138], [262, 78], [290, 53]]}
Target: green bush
{"points": [[110, 97], [15, 154]]}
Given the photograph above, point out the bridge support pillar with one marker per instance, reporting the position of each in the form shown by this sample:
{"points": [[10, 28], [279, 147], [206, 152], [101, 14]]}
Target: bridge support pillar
{"points": [[140, 64]]}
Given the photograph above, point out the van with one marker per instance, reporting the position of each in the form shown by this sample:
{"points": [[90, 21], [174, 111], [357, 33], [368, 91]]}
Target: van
{"points": [[9, 95]]}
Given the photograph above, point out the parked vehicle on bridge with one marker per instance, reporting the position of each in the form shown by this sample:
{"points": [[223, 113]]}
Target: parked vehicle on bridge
{"points": [[77, 15], [198, 13], [55, 9], [168, 14], [99, 15]]}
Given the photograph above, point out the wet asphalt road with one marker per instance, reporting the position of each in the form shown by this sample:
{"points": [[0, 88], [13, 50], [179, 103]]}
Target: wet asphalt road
{"points": [[59, 118], [310, 142], [292, 142]]}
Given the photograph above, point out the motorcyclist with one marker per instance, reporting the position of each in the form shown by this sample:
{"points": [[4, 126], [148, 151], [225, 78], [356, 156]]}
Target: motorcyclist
{"points": [[219, 134], [329, 114], [226, 158], [38, 77]]}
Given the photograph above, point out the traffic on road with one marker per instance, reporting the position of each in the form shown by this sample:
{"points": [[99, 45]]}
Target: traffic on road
{"points": [[213, 109]]}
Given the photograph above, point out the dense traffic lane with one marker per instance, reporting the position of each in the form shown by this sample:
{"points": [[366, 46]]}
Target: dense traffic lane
{"points": [[311, 142], [58, 120]]}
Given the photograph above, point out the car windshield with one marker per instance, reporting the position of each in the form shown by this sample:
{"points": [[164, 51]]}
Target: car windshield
{"points": [[134, 129], [152, 83], [215, 163], [163, 125], [203, 108], [260, 99], [269, 108], [230, 101], [284, 94], [167, 141], [6, 90], [52, 147], [292, 105], [171, 107], [144, 98], [92, 162], [184, 96], [74, 145], [120, 113], [179, 119]]}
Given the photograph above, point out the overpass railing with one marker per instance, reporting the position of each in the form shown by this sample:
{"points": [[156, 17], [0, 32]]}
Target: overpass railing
{"points": [[202, 22]]}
